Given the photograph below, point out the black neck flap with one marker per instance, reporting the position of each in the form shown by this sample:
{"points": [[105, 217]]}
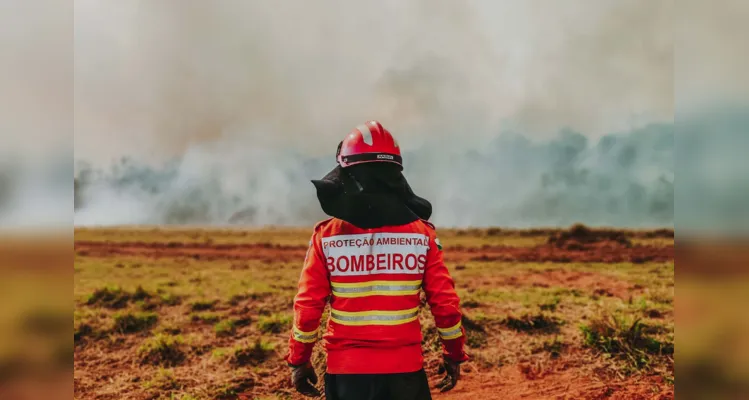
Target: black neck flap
{"points": [[370, 195]]}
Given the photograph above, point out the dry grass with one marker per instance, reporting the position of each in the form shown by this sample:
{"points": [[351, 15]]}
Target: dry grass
{"points": [[204, 324], [639, 345]]}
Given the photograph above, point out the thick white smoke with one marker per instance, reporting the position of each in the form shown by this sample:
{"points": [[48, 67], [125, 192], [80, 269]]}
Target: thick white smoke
{"points": [[251, 101], [247, 102], [154, 78], [232, 105]]}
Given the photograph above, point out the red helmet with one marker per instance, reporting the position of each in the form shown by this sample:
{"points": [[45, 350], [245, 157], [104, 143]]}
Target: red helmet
{"points": [[369, 142]]}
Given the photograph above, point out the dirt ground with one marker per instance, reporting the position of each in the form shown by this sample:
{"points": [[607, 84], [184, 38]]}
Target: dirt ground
{"points": [[205, 314]]}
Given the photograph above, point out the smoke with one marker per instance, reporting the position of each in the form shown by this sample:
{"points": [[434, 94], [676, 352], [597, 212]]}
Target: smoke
{"points": [[227, 105], [158, 77], [622, 179], [512, 112]]}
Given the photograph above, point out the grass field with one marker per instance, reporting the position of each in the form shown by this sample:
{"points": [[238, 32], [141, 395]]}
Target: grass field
{"points": [[191, 313]]}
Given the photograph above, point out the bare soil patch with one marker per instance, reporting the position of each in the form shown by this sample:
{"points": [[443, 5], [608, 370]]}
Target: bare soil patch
{"points": [[171, 340]]}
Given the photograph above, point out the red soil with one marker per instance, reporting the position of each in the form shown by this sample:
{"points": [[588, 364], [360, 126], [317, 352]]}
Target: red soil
{"points": [[572, 376], [605, 252]]}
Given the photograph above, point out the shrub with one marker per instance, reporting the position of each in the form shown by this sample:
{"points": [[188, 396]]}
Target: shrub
{"points": [[163, 379], [170, 299], [538, 323], [203, 305], [134, 322], [470, 303], [82, 330], [109, 297], [225, 328], [275, 323], [113, 297], [625, 341], [254, 355], [162, 349], [206, 318]]}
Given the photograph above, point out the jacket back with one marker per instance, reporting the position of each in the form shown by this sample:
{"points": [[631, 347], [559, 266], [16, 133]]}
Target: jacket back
{"points": [[372, 280]]}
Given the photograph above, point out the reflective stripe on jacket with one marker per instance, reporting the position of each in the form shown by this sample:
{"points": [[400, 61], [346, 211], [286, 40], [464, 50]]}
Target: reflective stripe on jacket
{"points": [[372, 279]]}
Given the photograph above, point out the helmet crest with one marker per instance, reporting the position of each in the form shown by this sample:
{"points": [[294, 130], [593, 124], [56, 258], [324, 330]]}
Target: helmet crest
{"points": [[369, 142]]}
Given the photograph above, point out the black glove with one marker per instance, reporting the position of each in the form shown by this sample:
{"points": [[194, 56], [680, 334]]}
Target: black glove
{"points": [[451, 369], [303, 378]]}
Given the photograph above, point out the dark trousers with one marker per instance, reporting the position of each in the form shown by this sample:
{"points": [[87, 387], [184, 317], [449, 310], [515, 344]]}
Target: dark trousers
{"points": [[408, 386]]}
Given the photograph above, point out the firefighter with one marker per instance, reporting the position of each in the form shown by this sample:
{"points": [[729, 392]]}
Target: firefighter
{"points": [[370, 262]]}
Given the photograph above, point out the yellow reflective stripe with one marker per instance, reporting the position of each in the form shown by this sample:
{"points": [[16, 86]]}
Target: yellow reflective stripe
{"points": [[301, 332], [374, 288], [452, 332], [374, 312], [378, 293], [370, 283], [376, 317], [305, 337]]}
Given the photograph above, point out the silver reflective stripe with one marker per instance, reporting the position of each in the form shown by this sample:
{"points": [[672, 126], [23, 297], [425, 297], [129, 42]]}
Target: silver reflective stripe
{"points": [[371, 318], [365, 133], [300, 337], [453, 333], [305, 337], [375, 288]]}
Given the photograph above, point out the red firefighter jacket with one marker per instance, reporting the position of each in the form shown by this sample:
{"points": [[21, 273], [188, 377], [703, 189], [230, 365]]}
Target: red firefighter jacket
{"points": [[372, 279]]}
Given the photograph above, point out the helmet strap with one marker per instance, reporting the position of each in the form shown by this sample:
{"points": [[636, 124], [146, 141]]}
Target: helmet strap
{"points": [[369, 157]]}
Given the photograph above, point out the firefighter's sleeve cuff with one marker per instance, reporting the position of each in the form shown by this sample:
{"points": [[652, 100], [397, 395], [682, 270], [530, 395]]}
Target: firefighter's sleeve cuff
{"points": [[452, 332], [305, 337]]}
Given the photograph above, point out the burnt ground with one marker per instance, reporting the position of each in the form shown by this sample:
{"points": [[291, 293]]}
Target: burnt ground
{"points": [[201, 314]]}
